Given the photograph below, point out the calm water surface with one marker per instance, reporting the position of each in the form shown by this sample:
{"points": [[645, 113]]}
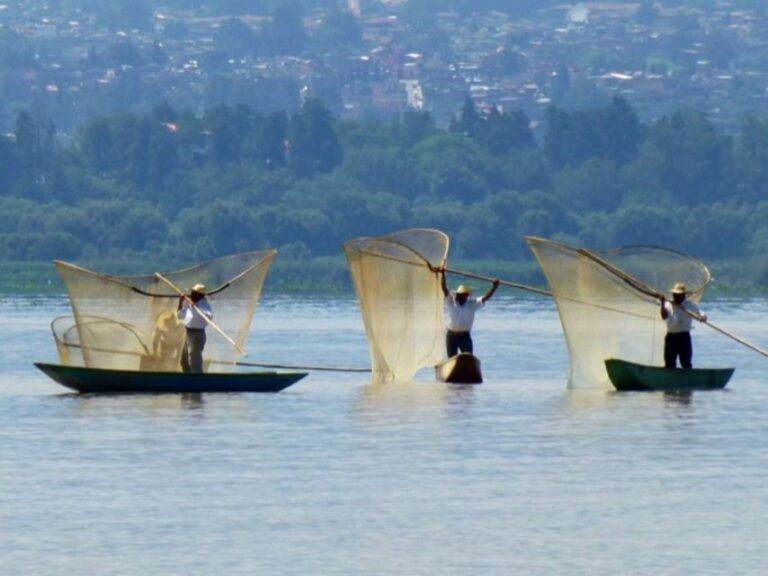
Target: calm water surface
{"points": [[336, 476]]}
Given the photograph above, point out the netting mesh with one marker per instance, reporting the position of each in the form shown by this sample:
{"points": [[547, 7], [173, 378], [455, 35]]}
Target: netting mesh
{"points": [[401, 300], [129, 322], [603, 315]]}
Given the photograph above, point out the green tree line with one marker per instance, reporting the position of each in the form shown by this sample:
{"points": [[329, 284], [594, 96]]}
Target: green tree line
{"points": [[172, 186]]}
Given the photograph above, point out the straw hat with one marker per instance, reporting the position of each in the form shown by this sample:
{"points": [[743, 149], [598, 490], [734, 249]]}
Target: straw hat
{"points": [[199, 288], [678, 288], [463, 290]]}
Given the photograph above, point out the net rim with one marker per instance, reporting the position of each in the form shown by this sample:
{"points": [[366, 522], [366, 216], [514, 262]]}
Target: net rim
{"points": [[532, 240], [264, 255], [393, 238]]}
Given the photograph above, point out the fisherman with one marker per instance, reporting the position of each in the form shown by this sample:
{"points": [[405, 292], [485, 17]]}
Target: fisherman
{"points": [[167, 336], [461, 314], [195, 312], [678, 315]]}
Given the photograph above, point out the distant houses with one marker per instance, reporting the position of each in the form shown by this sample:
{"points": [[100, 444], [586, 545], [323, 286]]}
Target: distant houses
{"points": [[70, 67]]}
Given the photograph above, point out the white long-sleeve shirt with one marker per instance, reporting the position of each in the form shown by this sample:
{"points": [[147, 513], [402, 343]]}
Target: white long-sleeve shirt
{"points": [[193, 319]]}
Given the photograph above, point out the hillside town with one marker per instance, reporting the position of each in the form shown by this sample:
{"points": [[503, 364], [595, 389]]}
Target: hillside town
{"points": [[376, 59]]}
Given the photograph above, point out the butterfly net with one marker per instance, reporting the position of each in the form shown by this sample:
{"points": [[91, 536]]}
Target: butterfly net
{"points": [[400, 299], [130, 322], [608, 305]]}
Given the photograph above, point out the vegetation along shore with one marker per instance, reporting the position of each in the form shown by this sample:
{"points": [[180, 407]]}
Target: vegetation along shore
{"points": [[172, 187]]}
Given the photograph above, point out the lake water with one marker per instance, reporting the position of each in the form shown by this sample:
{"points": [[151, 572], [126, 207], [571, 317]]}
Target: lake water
{"points": [[337, 476]]}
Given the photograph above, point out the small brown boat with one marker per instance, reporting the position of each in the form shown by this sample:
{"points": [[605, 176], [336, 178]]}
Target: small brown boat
{"points": [[464, 368]]}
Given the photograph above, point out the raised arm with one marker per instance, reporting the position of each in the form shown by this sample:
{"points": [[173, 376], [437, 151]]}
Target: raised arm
{"points": [[494, 285], [443, 284], [664, 311], [440, 270]]}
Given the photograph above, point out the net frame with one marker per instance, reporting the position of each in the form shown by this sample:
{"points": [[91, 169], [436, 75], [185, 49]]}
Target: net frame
{"points": [[606, 312], [130, 322], [400, 299]]}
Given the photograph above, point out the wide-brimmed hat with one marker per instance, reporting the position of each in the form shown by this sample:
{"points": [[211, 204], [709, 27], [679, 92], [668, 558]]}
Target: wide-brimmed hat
{"points": [[463, 290], [678, 288], [199, 288]]}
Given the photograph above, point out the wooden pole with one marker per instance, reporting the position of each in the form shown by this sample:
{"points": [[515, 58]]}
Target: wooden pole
{"points": [[502, 282], [294, 366], [426, 264], [210, 322]]}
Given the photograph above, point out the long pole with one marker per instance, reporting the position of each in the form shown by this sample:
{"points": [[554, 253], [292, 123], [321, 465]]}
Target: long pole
{"points": [[649, 291], [210, 322], [425, 264], [502, 282], [294, 366]]}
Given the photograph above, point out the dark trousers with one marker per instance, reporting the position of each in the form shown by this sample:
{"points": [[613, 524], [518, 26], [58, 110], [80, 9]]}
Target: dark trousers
{"points": [[678, 344], [455, 341], [192, 355]]}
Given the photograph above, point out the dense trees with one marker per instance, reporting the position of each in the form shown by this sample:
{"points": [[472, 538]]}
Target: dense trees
{"points": [[613, 133], [178, 186]]}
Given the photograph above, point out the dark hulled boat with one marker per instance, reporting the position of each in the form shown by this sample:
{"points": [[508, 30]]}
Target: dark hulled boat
{"points": [[101, 381], [629, 376]]}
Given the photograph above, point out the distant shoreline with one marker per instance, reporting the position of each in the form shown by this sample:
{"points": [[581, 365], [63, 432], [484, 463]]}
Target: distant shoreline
{"points": [[331, 276]]}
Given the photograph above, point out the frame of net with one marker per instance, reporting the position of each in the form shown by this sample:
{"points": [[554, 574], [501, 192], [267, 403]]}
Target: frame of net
{"points": [[130, 322], [400, 299], [608, 302]]}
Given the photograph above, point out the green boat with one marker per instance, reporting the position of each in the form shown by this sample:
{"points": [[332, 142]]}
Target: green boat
{"points": [[101, 381], [629, 376]]}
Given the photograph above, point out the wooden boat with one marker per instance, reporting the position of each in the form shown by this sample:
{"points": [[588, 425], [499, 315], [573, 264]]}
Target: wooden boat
{"points": [[628, 376], [464, 368], [100, 381]]}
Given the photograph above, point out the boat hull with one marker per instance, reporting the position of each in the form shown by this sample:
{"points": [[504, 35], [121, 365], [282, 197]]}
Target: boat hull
{"points": [[629, 376], [100, 381], [464, 368]]}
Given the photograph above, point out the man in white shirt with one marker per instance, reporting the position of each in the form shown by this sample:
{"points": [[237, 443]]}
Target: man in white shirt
{"points": [[678, 315], [461, 315], [195, 312]]}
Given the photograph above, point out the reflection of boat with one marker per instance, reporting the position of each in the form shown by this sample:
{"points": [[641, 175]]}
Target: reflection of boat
{"points": [[464, 368], [102, 381], [628, 376]]}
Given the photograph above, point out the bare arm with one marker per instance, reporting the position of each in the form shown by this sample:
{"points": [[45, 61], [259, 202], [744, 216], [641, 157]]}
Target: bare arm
{"points": [[443, 284], [440, 270], [487, 295], [664, 311]]}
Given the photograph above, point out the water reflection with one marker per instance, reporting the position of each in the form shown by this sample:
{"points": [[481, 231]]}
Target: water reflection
{"points": [[401, 395], [461, 394], [678, 398], [235, 406], [192, 401]]}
